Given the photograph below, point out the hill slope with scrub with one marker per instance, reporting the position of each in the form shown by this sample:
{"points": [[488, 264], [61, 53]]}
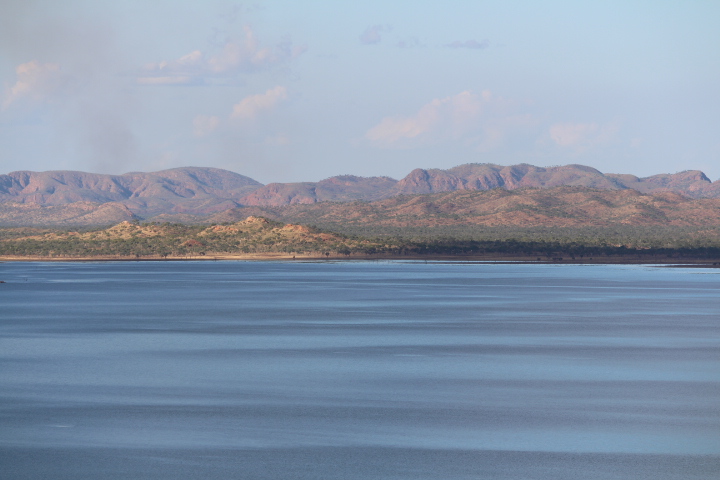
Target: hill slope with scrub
{"points": [[254, 235], [65, 198]]}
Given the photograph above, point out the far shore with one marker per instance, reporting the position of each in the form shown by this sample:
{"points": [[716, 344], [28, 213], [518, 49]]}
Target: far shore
{"points": [[599, 260]]}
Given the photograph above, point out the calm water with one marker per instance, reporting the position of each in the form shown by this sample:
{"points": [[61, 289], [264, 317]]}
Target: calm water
{"points": [[261, 370]]}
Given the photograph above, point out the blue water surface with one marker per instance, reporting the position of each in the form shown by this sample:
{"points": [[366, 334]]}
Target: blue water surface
{"points": [[358, 370]]}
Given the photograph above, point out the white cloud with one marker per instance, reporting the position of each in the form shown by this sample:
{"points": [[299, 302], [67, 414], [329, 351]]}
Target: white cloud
{"points": [[482, 122], [581, 136], [204, 125], [36, 82], [247, 109], [439, 120], [236, 57], [250, 107]]}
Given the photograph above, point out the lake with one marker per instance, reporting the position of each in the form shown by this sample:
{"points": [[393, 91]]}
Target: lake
{"points": [[358, 370]]}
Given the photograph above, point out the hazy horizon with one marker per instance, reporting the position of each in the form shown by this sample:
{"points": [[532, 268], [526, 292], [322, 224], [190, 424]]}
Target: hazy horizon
{"points": [[285, 91]]}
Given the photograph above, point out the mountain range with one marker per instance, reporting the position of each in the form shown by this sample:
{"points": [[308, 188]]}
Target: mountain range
{"points": [[79, 198]]}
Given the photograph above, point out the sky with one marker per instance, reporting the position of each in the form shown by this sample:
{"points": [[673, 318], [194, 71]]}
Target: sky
{"points": [[287, 91]]}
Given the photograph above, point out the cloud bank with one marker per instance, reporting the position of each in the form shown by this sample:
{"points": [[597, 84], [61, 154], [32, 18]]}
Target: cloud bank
{"points": [[440, 120], [580, 137], [36, 82], [237, 57], [250, 107]]}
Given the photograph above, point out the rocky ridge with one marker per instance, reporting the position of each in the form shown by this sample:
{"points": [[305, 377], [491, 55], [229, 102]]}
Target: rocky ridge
{"points": [[65, 198]]}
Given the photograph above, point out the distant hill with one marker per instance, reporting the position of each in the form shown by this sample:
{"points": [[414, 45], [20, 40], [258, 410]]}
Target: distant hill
{"points": [[343, 188], [534, 207], [253, 235], [190, 189], [692, 183], [189, 194]]}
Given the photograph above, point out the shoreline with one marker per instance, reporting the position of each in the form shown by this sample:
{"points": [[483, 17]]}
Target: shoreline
{"points": [[608, 260]]}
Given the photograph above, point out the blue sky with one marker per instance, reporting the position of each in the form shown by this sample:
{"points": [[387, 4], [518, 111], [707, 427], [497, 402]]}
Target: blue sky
{"points": [[303, 90]]}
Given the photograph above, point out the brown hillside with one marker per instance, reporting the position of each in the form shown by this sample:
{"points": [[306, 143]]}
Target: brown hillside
{"points": [[141, 192], [189, 194], [556, 207]]}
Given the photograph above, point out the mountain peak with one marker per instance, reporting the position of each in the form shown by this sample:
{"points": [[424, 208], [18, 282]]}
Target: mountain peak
{"points": [[186, 192]]}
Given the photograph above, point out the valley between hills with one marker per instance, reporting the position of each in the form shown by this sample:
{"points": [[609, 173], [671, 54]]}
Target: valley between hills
{"points": [[488, 211]]}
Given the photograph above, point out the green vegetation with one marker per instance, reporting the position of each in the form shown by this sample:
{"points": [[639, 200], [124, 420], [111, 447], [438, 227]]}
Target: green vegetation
{"points": [[253, 236], [631, 236], [262, 236], [567, 242]]}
